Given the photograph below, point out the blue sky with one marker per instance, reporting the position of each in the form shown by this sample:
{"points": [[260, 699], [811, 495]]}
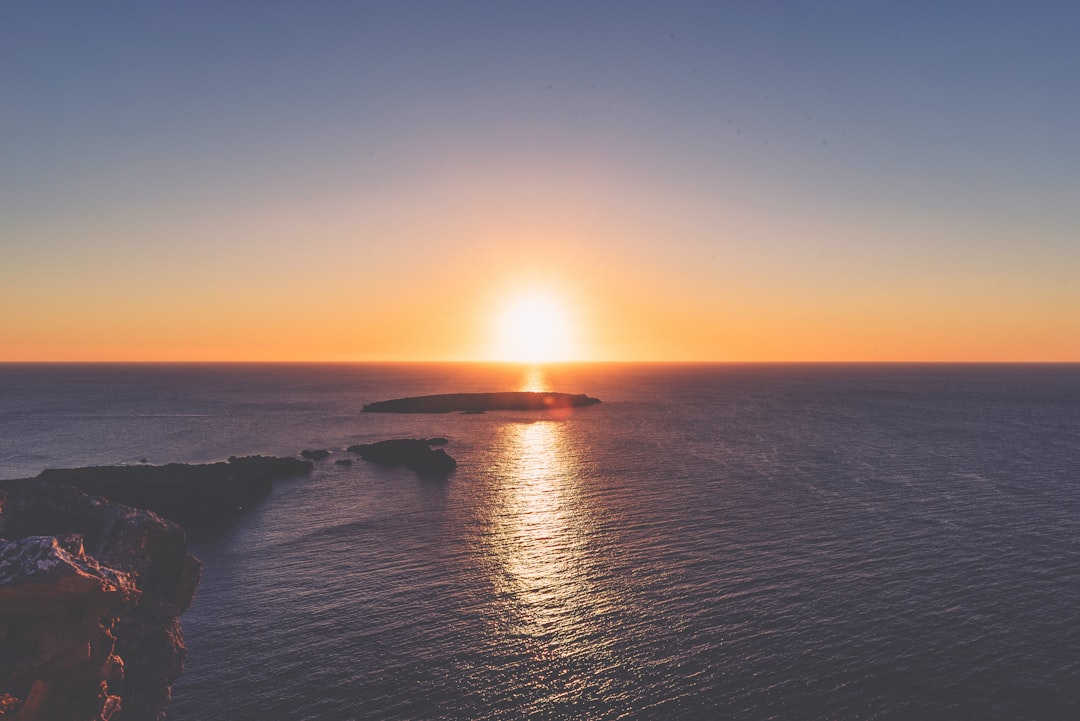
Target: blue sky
{"points": [[831, 149]]}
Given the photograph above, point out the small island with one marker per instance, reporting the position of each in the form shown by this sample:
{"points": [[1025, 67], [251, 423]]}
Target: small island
{"points": [[414, 453], [481, 402]]}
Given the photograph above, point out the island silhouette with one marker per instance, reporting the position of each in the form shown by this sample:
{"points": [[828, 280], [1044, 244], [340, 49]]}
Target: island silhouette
{"points": [[480, 402]]}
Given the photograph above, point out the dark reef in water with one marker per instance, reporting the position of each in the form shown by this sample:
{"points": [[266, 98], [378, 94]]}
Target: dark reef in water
{"points": [[479, 402], [191, 494], [414, 453], [90, 598]]}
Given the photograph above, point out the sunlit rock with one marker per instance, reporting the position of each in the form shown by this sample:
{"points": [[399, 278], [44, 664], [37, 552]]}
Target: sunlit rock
{"points": [[90, 597]]}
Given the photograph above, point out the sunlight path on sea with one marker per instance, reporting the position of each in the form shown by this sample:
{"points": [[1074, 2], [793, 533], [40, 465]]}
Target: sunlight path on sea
{"points": [[539, 544], [534, 380], [542, 564]]}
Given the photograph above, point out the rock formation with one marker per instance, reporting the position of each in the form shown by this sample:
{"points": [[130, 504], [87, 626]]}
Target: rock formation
{"points": [[90, 596], [193, 495], [479, 402], [414, 453]]}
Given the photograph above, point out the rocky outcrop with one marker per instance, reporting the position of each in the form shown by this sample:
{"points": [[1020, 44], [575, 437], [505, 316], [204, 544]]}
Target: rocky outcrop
{"points": [[90, 598], [193, 495], [315, 454], [413, 453], [480, 402]]}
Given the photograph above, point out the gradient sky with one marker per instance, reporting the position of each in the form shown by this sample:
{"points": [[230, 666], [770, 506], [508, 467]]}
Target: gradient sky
{"points": [[720, 181]]}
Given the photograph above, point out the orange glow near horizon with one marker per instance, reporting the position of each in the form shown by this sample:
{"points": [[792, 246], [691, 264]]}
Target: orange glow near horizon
{"points": [[576, 304], [621, 328]]}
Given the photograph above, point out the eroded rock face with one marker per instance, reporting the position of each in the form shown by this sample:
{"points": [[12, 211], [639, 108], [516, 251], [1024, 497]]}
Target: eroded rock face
{"points": [[90, 598]]}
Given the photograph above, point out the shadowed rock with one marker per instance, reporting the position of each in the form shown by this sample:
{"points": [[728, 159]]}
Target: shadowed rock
{"points": [[316, 454], [90, 595], [413, 453], [191, 494], [480, 402]]}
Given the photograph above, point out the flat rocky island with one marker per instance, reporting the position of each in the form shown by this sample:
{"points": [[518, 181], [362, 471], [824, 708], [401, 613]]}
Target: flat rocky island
{"points": [[414, 453], [480, 402]]}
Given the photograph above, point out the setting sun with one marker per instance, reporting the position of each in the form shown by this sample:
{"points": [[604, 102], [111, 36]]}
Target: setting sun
{"points": [[533, 329]]}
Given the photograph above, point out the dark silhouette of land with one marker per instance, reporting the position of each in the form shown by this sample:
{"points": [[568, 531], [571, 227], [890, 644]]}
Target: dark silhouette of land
{"points": [[92, 583], [480, 402], [414, 453], [190, 494]]}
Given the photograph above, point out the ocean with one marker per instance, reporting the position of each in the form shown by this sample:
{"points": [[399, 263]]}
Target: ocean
{"points": [[711, 541]]}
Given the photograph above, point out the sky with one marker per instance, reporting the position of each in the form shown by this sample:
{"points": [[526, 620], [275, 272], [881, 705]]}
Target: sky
{"points": [[685, 181]]}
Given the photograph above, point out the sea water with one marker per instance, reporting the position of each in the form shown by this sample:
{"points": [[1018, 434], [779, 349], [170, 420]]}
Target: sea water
{"points": [[711, 541]]}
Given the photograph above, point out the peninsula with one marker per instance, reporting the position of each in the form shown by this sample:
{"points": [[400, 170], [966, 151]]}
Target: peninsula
{"points": [[192, 495], [480, 402]]}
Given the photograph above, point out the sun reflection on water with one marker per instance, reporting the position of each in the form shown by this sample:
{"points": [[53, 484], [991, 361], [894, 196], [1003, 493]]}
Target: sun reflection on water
{"points": [[547, 562], [533, 380], [541, 540], [539, 544]]}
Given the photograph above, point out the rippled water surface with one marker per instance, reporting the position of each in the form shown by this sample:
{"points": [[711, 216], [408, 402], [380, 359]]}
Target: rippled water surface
{"points": [[751, 542]]}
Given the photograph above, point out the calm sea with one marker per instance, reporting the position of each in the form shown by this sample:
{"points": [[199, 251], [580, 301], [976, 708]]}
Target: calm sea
{"points": [[747, 542]]}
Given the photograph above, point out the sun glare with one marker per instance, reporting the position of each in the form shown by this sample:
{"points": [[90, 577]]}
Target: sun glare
{"points": [[533, 329]]}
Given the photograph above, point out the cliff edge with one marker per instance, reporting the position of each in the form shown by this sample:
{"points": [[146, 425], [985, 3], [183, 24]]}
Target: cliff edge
{"points": [[90, 597]]}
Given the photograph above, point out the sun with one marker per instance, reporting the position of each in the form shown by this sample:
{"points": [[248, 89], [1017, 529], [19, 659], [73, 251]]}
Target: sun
{"points": [[533, 328]]}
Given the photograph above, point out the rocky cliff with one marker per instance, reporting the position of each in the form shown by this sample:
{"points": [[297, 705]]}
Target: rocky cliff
{"points": [[90, 596]]}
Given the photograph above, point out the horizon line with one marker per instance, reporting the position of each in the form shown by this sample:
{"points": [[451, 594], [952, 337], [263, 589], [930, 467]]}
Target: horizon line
{"points": [[528, 363]]}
